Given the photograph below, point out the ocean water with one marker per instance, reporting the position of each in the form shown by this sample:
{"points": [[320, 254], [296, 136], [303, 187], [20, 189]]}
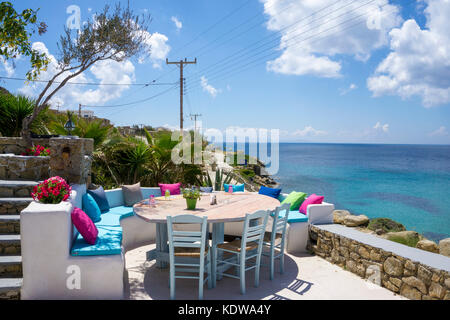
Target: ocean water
{"points": [[407, 183]]}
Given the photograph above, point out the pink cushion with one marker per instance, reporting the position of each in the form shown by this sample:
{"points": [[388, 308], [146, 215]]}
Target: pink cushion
{"points": [[173, 188], [84, 225], [312, 199]]}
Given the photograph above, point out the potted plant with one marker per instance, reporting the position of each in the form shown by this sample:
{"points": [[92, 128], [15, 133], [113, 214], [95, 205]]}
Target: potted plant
{"points": [[53, 190], [191, 196]]}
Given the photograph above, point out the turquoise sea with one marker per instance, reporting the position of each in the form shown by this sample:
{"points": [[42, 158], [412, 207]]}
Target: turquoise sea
{"points": [[407, 183]]}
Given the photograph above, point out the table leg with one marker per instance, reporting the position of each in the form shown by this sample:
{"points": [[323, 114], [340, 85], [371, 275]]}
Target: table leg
{"points": [[161, 243], [218, 232]]}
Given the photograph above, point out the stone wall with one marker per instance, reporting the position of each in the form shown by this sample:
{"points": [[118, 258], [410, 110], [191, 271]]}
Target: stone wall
{"points": [[69, 158], [17, 145], [14, 167], [408, 278]]}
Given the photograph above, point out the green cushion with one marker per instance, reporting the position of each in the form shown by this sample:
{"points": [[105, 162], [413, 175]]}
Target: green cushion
{"points": [[109, 239], [295, 199]]}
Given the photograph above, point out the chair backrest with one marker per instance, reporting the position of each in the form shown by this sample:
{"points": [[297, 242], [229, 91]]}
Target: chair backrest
{"points": [[187, 239], [254, 228], [280, 219]]}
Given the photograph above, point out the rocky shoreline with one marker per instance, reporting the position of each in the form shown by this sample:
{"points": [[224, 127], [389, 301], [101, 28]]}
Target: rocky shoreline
{"points": [[391, 230]]}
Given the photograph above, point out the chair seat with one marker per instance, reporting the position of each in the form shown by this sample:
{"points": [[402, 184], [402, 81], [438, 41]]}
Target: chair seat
{"points": [[235, 245], [188, 252]]}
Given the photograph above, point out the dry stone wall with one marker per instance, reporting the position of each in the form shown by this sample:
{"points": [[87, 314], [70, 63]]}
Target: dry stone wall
{"points": [[408, 278]]}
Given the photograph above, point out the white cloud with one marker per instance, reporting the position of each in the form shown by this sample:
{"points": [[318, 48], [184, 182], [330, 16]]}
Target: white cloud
{"points": [[306, 46], [351, 87], [419, 63], [7, 66], [381, 127], [442, 131], [177, 22], [158, 47], [71, 95], [208, 88], [309, 131]]}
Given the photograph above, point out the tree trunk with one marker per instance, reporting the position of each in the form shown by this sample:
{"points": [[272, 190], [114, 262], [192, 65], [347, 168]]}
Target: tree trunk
{"points": [[26, 133]]}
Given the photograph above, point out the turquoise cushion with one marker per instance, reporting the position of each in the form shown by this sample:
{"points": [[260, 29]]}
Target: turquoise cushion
{"points": [[91, 207], [236, 188], [295, 216], [109, 239]]}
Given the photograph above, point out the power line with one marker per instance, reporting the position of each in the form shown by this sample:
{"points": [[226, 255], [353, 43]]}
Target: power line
{"points": [[176, 50], [153, 83], [218, 74], [134, 102], [251, 48]]}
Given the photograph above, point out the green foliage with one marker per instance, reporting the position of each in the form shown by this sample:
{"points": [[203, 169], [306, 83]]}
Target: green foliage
{"points": [[408, 241], [247, 173], [221, 178], [191, 194], [386, 224], [13, 109], [125, 160], [15, 37]]}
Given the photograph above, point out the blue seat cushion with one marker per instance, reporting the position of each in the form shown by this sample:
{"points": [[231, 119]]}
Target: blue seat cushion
{"points": [[109, 238], [271, 192], [295, 216], [100, 197]]}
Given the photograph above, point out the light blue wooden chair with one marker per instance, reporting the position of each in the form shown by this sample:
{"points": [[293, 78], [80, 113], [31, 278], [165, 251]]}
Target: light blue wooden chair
{"points": [[276, 239], [188, 251], [238, 252]]}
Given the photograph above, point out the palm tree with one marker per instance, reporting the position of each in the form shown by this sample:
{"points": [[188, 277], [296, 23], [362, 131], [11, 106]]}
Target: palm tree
{"points": [[13, 109]]}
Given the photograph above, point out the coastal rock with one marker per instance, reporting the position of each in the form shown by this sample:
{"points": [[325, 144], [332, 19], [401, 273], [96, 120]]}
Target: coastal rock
{"points": [[339, 215], [385, 225], [444, 247], [404, 237], [393, 266], [427, 245], [355, 221]]}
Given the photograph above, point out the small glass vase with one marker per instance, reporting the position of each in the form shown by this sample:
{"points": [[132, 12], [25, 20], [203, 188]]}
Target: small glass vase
{"points": [[191, 203]]}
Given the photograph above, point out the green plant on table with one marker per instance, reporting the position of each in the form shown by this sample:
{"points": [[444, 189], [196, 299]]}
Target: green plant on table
{"points": [[191, 194]]}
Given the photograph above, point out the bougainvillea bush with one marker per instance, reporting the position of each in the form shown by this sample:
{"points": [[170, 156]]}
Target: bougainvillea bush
{"points": [[37, 151], [53, 190]]}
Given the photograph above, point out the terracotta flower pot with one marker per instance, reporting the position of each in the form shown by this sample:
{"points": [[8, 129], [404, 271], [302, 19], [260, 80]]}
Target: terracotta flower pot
{"points": [[191, 203]]}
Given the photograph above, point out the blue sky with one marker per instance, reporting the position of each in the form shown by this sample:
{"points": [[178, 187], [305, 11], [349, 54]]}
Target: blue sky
{"points": [[384, 80]]}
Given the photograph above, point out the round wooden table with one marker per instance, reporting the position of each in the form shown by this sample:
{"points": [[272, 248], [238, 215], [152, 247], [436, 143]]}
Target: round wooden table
{"points": [[229, 208]]}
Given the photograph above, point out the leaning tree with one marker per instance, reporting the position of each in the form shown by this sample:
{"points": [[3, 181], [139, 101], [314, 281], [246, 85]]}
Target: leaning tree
{"points": [[114, 34]]}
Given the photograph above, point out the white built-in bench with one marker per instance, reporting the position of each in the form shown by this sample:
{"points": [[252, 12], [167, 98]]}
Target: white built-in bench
{"points": [[59, 264]]}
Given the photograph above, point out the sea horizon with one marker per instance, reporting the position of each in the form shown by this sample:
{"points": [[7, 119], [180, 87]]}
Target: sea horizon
{"points": [[404, 182]]}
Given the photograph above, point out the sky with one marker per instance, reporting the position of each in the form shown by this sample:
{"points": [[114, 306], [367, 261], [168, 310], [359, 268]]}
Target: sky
{"points": [[366, 71]]}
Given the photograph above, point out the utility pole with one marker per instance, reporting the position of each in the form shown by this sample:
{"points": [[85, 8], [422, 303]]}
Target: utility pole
{"points": [[181, 64], [79, 110], [194, 117]]}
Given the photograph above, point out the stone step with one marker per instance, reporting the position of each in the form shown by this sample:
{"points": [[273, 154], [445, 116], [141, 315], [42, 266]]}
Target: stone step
{"points": [[10, 266], [9, 224], [10, 288], [16, 188], [10, 244], [13, 205]]}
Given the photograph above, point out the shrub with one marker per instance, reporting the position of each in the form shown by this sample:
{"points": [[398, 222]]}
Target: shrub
{"points": [[53, 190], [37, 151], [386, 224]]}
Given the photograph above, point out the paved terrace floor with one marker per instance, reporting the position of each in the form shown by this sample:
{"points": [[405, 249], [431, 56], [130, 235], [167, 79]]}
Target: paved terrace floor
{"points": [[306, 277]]}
